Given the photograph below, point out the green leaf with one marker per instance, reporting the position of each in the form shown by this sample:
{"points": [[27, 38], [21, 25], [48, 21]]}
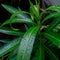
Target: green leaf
{"points": [[10, 8], [5, 41], [51, 55], [40, 52], [13, 10], [9, 47], [55, 14], [20, 12], [53, 37], [26, 45], [34, 10], [17, 20], [54, 23], [54, 8], [10, 32]]}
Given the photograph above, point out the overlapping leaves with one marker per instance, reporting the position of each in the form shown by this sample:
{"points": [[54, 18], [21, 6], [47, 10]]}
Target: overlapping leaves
{"points": [[27, 41]]}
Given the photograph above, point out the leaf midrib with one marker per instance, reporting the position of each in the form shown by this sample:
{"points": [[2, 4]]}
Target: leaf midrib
{"points": [[27, 43], [52, 37]]}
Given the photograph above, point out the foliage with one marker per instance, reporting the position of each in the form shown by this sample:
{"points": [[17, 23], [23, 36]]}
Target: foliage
{"points": [[33, 43]]}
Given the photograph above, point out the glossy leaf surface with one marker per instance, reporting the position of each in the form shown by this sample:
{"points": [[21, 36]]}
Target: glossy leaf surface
{"points": [[26, 46], [17, 20]]}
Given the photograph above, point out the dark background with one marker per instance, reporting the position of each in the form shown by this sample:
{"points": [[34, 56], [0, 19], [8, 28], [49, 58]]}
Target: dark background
{"points": [[23, 4]]}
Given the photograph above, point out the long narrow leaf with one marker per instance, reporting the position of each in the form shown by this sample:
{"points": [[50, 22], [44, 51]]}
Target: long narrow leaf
{"points": [[34, 10], [10, 32], [17, 20], [9, 47], [13, 10], [26, 45], [5, 41], [40, 52], [56, 14], [54, 23], [10, 8], [53, 37], [54, 8]]}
